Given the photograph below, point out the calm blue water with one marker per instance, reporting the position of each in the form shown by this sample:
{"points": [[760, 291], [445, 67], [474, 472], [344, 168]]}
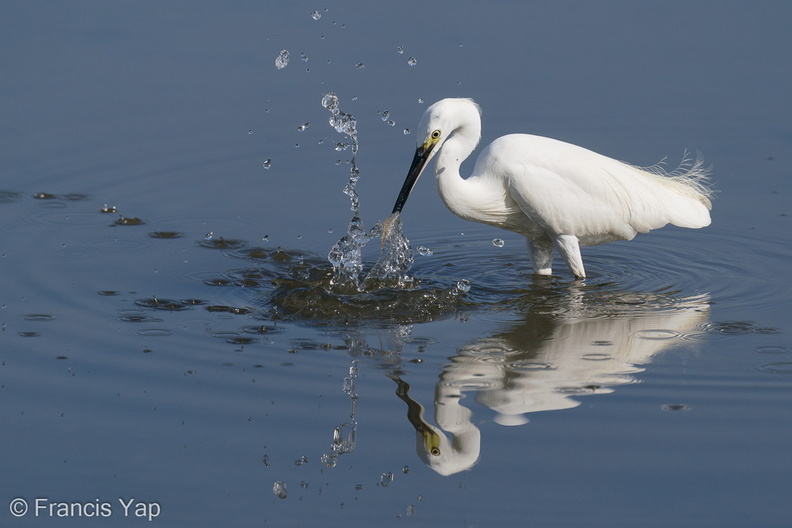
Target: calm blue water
{"points": [[166, 336]]}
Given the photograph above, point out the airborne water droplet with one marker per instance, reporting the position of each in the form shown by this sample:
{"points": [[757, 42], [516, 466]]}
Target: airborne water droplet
{"points": [[316, 15], [330, 101], [498, 242], [406, 131], [399, 49], [282, 60], [425, 251], [279, 489], [463, 286], [360, 65], [412, 61], [267, 163], [303, 127]]}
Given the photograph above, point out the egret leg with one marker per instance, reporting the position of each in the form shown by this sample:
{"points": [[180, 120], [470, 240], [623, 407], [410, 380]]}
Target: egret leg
{"points": [[568, 247], [541, 255]]}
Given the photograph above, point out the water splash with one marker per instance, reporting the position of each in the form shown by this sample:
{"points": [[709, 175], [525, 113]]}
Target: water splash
{"points": [[396, 258], [396, 255], [346, 255]]}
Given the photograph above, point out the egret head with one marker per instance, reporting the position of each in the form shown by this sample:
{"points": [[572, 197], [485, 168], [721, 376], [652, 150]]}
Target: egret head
{"points": [[440, 121]]}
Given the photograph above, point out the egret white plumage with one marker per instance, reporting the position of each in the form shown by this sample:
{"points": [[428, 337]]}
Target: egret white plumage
{"points": [[558, 195]]}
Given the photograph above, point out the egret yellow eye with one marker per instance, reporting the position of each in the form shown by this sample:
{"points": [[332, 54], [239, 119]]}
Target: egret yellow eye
{"points": [[436, 134]]}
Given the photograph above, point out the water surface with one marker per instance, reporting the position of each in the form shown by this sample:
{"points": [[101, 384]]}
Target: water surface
{"points": [[170, 331]]}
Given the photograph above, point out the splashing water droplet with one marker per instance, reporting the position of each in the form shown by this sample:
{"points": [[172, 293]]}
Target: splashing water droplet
{"points": [[303, 57], [406, 131], [420, 100], [316, 15], [267, 163], [498, 242], [462, 286], [424, 251], [400, 49], [329, 460], [344, 123], [412, 61], [209, 235], [385, 479], [303, 127], [279, 489], [384, 115], [360, 66], [282, 60], [330, 102], [396, 258]]}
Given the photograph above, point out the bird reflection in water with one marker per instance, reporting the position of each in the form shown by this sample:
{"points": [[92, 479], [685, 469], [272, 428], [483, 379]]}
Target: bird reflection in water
{"points": [[584, 344]]}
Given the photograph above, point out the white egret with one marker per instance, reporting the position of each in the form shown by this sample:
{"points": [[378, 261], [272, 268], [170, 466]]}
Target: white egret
{"points": [[558, 195]]}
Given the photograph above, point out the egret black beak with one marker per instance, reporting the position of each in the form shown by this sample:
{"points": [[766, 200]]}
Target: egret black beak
{"points": [[422, 155]]}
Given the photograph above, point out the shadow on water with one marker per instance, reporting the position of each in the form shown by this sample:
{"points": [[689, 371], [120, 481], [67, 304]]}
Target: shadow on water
{"points": [[298, 286]]}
